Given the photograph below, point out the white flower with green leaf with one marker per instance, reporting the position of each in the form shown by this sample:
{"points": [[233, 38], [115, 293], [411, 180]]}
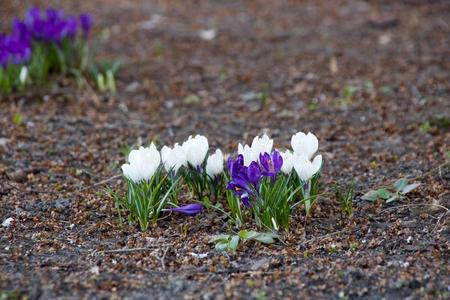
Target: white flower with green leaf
{"points": [[307, 168]]}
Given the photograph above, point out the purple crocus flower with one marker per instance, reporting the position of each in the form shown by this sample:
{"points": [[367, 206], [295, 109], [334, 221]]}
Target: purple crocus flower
{"points": [[51, 26], [244, 180], [271, 164], [71, 27], [15, 48], [254, 174], [19, 51], [20, 31], [86, 24], [189, 209]]}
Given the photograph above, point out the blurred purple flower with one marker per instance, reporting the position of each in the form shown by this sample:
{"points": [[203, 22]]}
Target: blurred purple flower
{"points": [[15, 48], [71, 27], [51, 25], [189, 209], [86, 24], [32, 15]]}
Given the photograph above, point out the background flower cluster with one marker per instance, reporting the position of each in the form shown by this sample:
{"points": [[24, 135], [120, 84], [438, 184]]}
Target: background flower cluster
{"points": [[46, 42], [50, 25]]}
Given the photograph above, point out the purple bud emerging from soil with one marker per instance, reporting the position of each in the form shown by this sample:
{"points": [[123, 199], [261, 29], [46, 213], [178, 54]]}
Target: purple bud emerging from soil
{"points": [[189, 209]]}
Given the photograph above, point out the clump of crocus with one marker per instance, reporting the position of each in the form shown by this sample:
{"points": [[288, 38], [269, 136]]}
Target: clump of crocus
{"points": [[264, 182], [202, 174], [45, 41], [148, 188], [151, 185], [306, 165], [255, 181]]}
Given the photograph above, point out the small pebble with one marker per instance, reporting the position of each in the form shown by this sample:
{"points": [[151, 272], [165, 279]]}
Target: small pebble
{"points": [[18, 175], [7, 222]]}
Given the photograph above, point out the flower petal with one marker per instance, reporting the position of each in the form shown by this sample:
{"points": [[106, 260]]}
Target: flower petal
{"points": [[317, 163]]}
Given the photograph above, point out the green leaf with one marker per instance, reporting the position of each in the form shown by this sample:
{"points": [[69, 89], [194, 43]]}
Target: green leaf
{"points": [[400, 184], [370, 196], [409, 188], [233, 244], [222, 246], [265, 238], [384, 194], [245, 234]]}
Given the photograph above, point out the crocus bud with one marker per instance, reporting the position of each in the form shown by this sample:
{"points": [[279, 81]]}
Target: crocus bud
{"points": [[287, 166], [214, 163], [189, 209], [261, 145], [196, 149], [173, 158], [305, 168], [142, 163], [304, 144], [247, 153]]}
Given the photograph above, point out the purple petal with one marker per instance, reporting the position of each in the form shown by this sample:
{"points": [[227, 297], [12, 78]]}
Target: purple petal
{"points": [[245, 200], [277, 160], [230, 164], [254, 173]]}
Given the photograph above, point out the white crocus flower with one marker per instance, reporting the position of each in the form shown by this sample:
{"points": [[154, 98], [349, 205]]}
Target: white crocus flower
{"points": [[288, 161], [304, 144], [305, 168], [142, 163], [214, 163], [262, 145], [173, 158], [196, 149]]}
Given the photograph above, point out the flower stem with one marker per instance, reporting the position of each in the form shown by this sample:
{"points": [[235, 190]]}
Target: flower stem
{"points": [[306, 193]]}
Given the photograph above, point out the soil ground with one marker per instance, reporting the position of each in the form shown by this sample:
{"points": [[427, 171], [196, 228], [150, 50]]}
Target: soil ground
{"points": [[369, 78]]}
